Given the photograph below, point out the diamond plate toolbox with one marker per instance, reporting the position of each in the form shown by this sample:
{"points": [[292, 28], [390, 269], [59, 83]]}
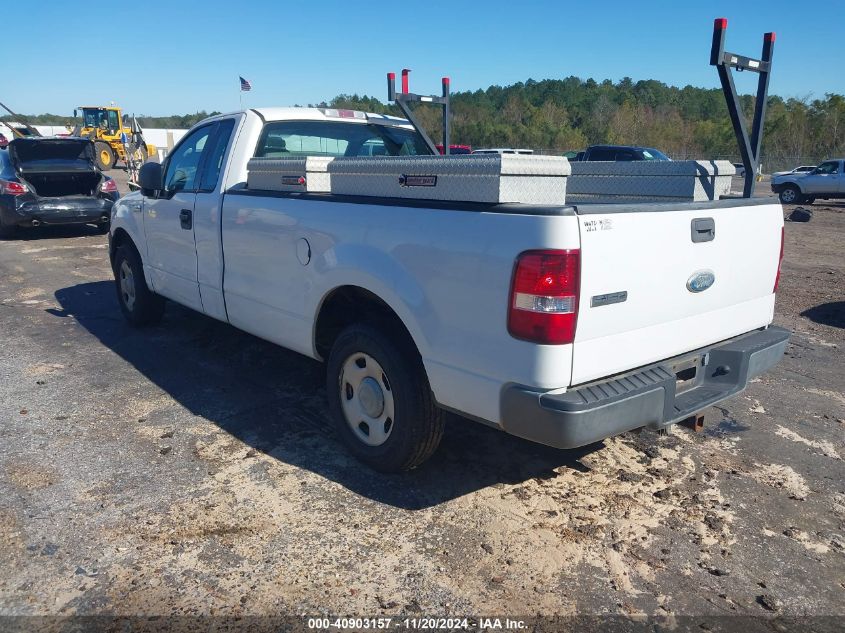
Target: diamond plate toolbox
{"points": [[639, 181], [482, 178], [289, 174]]}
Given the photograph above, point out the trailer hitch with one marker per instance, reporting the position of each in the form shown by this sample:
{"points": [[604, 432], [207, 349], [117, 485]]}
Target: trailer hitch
{"points": [[749, 147]]}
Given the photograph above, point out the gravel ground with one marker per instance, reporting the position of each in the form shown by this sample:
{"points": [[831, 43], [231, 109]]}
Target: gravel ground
{"points": [[189, 469]]}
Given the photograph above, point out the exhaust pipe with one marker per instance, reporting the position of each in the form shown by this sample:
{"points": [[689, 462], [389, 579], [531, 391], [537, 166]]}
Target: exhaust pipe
{"points": [[36, 223], [104, 219]]}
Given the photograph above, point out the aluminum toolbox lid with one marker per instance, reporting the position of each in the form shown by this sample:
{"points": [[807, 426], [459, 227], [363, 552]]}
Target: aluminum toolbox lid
{"points": [[460, 165], [648, 168], [289, 174]]}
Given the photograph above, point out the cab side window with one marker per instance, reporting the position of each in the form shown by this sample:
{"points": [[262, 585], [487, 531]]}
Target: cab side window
{"points": [[830, 167], [184, 162], [602, 154]]}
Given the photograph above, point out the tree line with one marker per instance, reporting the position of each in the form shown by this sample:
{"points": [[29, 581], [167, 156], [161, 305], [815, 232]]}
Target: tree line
{"points": [[557, 115], [176, 121]]}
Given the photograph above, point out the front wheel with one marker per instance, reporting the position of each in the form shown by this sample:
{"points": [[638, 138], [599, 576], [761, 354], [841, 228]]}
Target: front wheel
{"points": [[381, 402], [104, 155], [140, 305], [790, 195]]}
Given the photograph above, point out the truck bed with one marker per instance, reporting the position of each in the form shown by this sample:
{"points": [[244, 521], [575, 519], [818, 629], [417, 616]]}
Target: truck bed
{"points": [[451, 262]]}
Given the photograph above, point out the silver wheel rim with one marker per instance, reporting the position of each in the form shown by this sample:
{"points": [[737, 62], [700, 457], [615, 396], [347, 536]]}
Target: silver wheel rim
{"points": [[788, 195], [127, 285], [366, 397]]}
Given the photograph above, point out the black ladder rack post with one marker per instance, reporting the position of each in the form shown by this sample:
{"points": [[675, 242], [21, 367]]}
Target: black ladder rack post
{"points": [[402, 99], [749, 147]]}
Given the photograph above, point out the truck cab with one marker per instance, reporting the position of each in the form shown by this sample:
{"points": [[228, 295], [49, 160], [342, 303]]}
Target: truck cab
{"points": [[826, 181]]}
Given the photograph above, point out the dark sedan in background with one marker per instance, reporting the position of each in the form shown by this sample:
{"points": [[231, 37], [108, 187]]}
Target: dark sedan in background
{"points": [[618, 153], [50, 181]]}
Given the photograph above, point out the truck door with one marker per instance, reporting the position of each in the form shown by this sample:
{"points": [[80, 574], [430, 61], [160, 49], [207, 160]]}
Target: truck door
{"points": [[207, 222], [169, 221], [822, 180]]}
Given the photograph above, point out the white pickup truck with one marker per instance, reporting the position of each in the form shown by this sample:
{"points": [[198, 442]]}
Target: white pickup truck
{"points": [[557, 323]]}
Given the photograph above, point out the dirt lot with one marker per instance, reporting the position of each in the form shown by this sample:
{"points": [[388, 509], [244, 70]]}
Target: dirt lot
{"points": [[189, 469]]}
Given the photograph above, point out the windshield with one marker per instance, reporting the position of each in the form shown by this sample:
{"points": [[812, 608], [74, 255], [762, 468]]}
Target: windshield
{"points": [[287, 139], [653, 154], [95, 117]]}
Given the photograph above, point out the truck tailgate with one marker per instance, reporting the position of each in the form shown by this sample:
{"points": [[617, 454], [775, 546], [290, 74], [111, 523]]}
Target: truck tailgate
{"points": [[645, 270]]}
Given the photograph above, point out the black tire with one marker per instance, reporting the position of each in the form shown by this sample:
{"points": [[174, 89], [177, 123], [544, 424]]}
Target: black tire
{"points": [[7, 231], [145, 307], [417, 427], [104, 155], [790, 195], [103, 228], [809, 200]]}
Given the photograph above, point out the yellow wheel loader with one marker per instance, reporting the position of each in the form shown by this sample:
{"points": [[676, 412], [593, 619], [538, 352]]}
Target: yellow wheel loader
{"points": [[115, 137]]}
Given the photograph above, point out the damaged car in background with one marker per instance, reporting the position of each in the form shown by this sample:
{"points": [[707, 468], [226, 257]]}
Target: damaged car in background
{"points": [[52, 181]]}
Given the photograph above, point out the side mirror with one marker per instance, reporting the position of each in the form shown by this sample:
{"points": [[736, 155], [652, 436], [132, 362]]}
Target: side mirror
{"points": [[74, 114], [150, 179]]}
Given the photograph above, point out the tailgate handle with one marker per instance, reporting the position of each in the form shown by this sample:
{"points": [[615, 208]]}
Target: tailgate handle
{"points": [[703, 230]]}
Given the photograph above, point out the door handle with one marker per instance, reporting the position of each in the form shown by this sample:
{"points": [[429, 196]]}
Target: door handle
{"points": [[185, 218]]}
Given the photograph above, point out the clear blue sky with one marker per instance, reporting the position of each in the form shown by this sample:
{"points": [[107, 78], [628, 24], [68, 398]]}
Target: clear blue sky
{"points": [[162, 58]]}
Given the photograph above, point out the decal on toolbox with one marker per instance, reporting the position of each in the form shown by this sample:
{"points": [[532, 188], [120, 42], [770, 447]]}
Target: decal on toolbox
{"points": [[417, 181]]}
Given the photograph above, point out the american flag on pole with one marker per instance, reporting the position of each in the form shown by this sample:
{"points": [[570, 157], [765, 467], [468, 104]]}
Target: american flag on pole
{"points": [[245, 85]]}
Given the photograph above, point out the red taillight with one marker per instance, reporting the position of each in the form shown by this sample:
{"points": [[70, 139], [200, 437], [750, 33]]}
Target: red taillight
{"points": [[108, 186], [780, 262], [12, 188], [544, 296]]}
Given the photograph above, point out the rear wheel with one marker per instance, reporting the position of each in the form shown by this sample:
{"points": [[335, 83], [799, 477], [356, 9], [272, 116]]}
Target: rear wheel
{"points": [[104, 155], [809, 200], [790, 195], [140, 305], [381, 403]]}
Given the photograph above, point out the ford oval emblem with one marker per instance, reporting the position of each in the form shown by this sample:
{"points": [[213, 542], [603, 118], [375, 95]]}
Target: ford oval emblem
{"points": [[701, 280]]}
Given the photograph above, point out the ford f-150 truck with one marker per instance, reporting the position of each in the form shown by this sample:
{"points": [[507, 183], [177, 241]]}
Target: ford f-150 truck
{"points": [[825, 181], [557, 323]]}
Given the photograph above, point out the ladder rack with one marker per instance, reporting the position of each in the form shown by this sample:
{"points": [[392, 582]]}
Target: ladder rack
{"points": [[749, 146]]}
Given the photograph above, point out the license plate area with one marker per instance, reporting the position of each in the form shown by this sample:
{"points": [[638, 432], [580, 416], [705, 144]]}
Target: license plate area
{"points": [[688, 373]]}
